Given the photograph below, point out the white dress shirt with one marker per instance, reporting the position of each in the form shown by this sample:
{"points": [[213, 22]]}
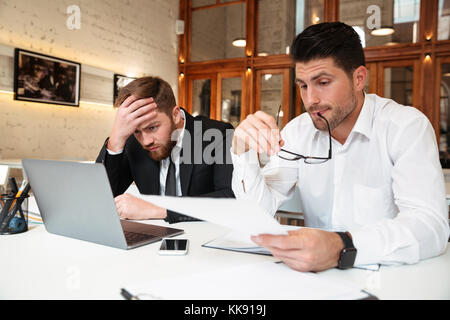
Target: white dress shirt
{"points": [[164, 165], [384, 185]]}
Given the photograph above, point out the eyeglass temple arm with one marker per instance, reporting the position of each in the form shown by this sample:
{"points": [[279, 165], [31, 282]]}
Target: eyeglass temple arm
{"points": [[329, 133]]}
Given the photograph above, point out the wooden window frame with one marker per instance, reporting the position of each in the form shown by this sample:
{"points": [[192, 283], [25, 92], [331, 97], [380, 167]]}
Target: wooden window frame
{"points": [[286, 73], [426, 73], [190, 85], [399, 64], [228, 75], [437, 116]]}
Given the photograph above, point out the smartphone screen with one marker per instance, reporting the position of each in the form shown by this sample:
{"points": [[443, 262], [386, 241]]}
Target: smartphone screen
{"points": [[174, 244]]}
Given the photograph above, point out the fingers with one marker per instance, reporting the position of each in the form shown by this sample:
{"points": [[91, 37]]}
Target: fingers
{"points": [[283, 242], [133, 103], [143, 115], [131, 115], [133, 107], [145, 120], [128, 101], [119, 207], [289, 249], [251, 136], [273, 130], [122, 204], [259, 132]]}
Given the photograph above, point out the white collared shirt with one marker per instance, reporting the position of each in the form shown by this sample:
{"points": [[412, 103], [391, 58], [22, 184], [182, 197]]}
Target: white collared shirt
{"points": [[385, 185], [164, 165]]}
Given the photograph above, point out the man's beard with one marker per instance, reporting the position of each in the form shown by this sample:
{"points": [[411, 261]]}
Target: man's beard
{"points": [[164, 150], [337, 114]]}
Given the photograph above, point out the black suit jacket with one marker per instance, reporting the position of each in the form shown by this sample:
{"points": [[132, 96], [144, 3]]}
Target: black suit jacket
{"points": [[198, 176]]}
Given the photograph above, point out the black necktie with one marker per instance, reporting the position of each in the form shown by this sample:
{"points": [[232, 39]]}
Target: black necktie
{"points": [[171, 183]]}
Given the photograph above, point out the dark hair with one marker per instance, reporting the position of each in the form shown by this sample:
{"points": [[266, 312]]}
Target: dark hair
{"points": [[147, 87], [330, 39]]}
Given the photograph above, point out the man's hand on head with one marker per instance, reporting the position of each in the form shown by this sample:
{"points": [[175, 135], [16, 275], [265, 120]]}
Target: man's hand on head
{"points": [[131, 114]]}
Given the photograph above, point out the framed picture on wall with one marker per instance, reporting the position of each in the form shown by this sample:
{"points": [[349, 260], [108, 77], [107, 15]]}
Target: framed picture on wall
{"points": [[46, 79], [120, 81]]}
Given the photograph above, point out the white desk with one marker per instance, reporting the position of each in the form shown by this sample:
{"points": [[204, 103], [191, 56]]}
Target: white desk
{"points": [[41, 265]]}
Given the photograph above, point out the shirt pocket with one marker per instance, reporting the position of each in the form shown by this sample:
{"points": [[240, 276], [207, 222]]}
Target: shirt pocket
{"points": [[372, 204]]}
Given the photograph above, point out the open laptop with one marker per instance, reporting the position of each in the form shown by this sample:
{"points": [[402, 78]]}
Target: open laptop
{"points": [[75, 200]]}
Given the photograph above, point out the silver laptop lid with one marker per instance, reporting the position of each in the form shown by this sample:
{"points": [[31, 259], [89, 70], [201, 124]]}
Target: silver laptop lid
{"points": [[75, 200]]}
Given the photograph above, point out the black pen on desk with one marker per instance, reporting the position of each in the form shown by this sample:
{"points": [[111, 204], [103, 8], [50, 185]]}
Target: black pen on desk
{"points": [[20, 197], [14, 190], [19, 192], [127, 295], [13, 184], [11, 199], [5, 209]]}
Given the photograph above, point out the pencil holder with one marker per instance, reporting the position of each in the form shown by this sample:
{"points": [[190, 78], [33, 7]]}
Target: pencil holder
{"points": [[13, 214]]}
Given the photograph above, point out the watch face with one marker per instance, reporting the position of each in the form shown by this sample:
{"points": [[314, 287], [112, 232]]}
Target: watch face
{"points": [[347, 258]]}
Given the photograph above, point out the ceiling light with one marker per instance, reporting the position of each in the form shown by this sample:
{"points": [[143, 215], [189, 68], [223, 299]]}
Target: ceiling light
{"points": [[383, 31], [239, 42]]}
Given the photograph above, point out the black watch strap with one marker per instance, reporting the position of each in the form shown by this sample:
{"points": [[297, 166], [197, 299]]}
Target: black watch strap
{"points": [[348, 254], [348, 242]]}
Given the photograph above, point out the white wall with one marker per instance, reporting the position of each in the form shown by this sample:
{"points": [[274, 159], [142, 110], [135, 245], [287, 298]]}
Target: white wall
{"points": [[134, 37]]}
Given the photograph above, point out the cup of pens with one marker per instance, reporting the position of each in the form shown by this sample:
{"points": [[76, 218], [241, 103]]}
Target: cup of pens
{"points": [[14, 211]]}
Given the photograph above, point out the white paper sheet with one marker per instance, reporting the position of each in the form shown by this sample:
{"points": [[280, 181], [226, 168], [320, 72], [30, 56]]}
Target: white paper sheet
{"points": [[239, 215], [237, 241], [257, 281]]}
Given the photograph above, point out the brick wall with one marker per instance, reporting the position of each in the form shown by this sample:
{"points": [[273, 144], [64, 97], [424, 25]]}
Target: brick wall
{"points": [[122, 36]]}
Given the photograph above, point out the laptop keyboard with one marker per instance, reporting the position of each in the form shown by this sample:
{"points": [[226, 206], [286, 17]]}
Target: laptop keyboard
{"points": [[133, 237]]}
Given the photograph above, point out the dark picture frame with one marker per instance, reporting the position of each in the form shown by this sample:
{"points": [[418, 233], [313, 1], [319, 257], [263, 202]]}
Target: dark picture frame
{"points": [[120, 81], [46, 79]]}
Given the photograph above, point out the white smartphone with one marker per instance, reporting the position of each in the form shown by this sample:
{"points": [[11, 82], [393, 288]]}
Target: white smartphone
{"points": [[177, 247]]}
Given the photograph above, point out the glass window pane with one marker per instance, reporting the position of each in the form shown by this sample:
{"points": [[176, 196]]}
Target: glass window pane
{"points": [[214, 30], [444, 102], [398, 84], [201, 96], [272, 95], [231, 100], [444, 20], [382, 22], [280, 21]]}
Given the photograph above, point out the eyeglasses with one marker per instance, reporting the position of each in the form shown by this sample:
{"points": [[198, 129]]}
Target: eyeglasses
{"points": [[291, 156]]}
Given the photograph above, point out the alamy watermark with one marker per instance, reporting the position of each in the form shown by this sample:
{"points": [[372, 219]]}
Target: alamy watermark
{"points": [[73, 22]]}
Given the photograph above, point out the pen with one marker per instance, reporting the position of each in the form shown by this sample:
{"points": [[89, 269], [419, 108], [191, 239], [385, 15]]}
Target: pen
{"points": [[20, 197], [18, 193], [6, 205], [14, 190], [127, 295], [5, 210], [13, 184]]}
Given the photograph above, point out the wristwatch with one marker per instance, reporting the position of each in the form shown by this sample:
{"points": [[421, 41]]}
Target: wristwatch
{"points": [[348, 254]]}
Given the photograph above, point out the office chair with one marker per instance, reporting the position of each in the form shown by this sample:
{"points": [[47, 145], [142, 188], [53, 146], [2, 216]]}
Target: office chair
{"points": [[291, 212]]}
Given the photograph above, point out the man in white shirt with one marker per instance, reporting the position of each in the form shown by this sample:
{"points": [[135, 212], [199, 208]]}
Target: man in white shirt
{"points": [[373, 193]]}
